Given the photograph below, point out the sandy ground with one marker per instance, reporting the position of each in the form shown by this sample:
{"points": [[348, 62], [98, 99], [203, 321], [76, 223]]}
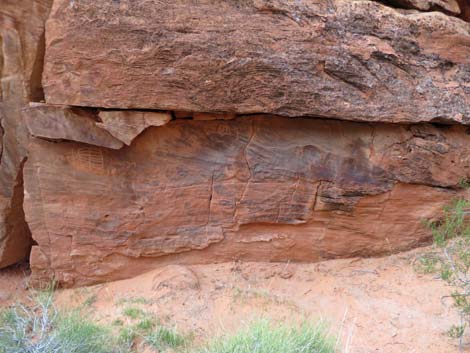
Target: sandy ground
{"points": [[13, 284], [377, 305]]}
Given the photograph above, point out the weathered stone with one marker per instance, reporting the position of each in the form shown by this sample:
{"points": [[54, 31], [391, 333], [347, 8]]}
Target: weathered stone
{"points": [[174, 277], [107, 195], [63, 123], [21, 61], [449, 6], [255, 188], [22, 39], [126, 125], [460, 8], [343, 59]]}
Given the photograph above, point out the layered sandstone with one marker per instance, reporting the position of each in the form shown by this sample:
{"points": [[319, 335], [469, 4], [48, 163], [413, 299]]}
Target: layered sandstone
{"points": [[252, 188], [354, 60], [190, 132]]}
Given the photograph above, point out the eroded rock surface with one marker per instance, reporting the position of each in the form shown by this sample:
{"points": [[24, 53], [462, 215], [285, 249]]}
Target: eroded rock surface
{"points": [[255, 188], [448, 6], [64, 123], [127, 125], [21, 61], [355, 60], [161, 140], [174, 278]]}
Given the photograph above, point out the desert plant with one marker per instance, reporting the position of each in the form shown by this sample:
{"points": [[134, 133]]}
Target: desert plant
{"points": [[144, 330], [164, 338], [262, 336], [133, 312], [451, 259], [41, 328]]}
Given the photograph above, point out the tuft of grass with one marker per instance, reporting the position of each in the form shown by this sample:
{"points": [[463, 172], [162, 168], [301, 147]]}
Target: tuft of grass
{"points": [[90, 300], [133, 312], [41, 328], [73, 330], [146, 324], [262, 336], [164, 338], [131, 335], [427, 263], [134, 300], [451, 259], [148, 332], [127, 336]]}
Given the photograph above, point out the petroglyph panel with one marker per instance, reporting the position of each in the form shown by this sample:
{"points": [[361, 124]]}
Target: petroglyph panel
{"points": [[254, 188]]}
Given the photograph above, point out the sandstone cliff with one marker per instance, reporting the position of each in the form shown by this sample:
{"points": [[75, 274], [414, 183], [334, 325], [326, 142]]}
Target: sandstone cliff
{"points": [[21, 62], [190, 132]]}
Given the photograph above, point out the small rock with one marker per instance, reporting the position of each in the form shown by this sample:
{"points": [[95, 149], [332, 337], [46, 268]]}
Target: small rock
{"points": [[286, 273], [175, 277]]}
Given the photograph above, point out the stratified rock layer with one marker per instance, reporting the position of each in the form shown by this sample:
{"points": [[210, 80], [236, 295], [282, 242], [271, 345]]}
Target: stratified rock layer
{"points": [[161, 140], [344, 59], [255, 188]]}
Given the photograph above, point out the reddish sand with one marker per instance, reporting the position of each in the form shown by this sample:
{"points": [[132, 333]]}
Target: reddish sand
{"points": [[378, 305], [13, 284]]}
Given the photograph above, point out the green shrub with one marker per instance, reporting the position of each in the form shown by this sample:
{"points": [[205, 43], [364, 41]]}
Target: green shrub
{"points": [[264, 337], [451, 259]]}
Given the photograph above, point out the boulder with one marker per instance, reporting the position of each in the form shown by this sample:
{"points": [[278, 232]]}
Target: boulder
{"points": [[174, 278], [261, 188], [341, 59]]}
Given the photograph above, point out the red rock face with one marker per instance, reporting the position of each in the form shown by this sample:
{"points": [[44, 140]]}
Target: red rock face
{"points": [[263, 188], [355, 60], [178, 132], [21, 59]]}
